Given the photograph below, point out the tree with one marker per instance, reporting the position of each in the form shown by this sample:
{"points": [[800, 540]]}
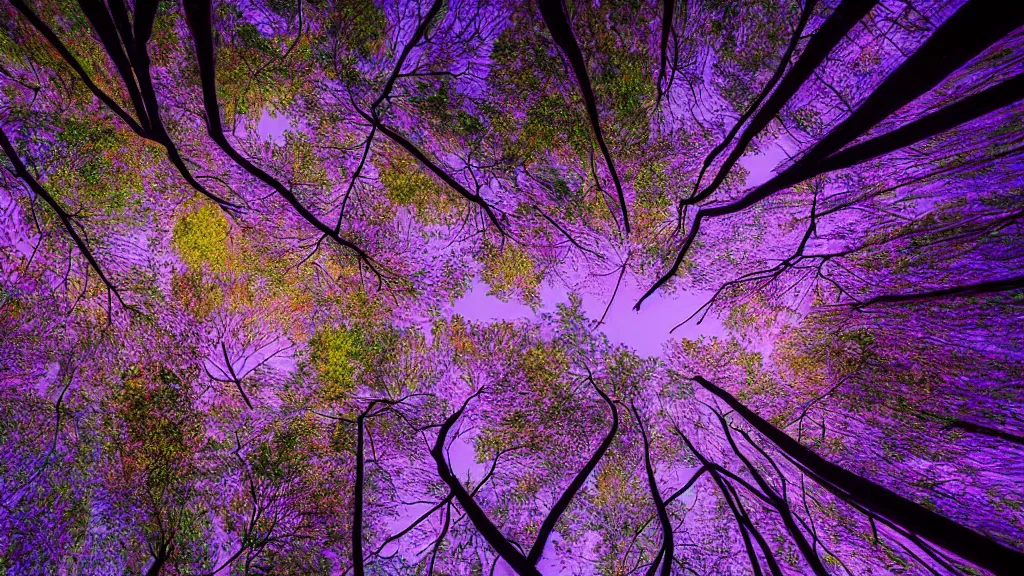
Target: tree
{"points": [[336, 287]]}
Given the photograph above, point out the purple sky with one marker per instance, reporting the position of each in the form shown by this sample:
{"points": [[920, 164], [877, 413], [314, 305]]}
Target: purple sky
{"points": [[645, 331]]}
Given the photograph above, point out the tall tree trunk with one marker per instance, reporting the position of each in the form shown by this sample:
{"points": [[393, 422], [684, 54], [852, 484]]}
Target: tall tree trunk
{"points": [[574, 487], [974, 27], [505, 549], [561, 31], [667, 540], [831, 32], [879, 500]]}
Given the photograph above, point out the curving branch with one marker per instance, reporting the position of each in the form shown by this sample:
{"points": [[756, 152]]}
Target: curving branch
{"points": [[417, 36], [62, 215], [487, 530], [199, 15], [574, 487], [234, 378], [524, 565], [505, 549], [429, 164], [764, 276], [565, 233], [385, 93], [445, 502]]}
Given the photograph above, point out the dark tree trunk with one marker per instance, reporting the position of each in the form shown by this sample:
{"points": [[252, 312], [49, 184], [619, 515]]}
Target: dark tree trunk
{"points": [[158, 561], [813, 58], [781, 505], [963, 291], [574, 487], [142, 96], [561, 31], [69, 58], [357, 506], [667, 15], [505, 549], [972, 29], [835, 28], [879, 500], [667, 540]]}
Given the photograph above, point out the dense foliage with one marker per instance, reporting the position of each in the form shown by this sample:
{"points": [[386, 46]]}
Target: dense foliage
{"points": [[342, 286]]}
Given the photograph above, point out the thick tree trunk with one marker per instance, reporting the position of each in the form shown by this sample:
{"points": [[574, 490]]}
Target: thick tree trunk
{"points": [[505, 549], [75, 65], [666, 554], [134, 65], [975, 27], [574, 487], [879, 500], [963, 291], [831, 32], [667, 15], [158, 561], [357, 506], [561, 31]]}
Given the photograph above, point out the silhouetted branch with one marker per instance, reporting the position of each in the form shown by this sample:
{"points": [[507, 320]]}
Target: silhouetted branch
{"points": [[561, 31], [881, 501]]}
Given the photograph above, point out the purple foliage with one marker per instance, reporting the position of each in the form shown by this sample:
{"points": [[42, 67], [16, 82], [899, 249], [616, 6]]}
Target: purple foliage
{"points": [[469, 287]]}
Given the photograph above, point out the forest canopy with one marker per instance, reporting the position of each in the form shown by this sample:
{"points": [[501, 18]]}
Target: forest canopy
{"points": [[471, 287]]}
